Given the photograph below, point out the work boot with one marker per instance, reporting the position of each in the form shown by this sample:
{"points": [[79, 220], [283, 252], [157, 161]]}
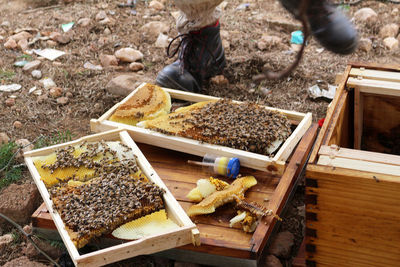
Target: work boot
{"points": [[201, 56], [330, 26]]}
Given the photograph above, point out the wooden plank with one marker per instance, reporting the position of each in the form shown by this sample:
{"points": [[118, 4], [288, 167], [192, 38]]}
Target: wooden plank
{"points": [[186, 233], [286, 150], [281, 193], [359, 165], [358, 118], [359, 155], [380, 75], [329, 118], [376, 66], [374, 86]]}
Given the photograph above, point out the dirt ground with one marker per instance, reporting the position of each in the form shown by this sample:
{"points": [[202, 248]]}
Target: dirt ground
{"points": [[89, 99]]}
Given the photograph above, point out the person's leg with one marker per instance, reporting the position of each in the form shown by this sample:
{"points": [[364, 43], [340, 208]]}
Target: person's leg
{"points": [[201, 54]]}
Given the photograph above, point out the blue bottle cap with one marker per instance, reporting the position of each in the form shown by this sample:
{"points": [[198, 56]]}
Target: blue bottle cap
{"points": [[232, 170]]}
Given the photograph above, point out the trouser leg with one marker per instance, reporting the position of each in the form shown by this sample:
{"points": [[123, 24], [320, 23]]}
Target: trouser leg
{"points": [[196, 14]]}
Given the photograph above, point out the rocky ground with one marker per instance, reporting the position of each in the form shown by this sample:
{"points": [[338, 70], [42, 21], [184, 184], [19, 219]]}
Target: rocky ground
{"points": [[111, 50]]}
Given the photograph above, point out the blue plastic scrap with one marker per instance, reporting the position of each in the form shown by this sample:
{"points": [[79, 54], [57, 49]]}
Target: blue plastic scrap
{"points": [[297, 37]]}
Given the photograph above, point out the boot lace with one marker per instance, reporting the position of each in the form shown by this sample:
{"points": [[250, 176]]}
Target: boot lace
{"points": [[188, 41]]}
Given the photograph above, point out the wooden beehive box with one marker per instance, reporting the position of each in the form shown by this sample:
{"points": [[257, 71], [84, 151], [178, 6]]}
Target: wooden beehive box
{"points": [[185, 234], [353, 175], [275, 164]]}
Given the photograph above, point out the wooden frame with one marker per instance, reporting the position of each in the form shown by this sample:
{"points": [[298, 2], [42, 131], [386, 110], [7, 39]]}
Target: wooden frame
{"points": [[247, 159], [219, 242], [188, 233], [350, 192]]}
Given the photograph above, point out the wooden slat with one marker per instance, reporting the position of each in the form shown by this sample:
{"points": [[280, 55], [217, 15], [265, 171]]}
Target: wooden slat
{"points": [[374, 86], [286, 184], [329, 115], [359, 155], [359, 165], [358, 118], [380, 75]]}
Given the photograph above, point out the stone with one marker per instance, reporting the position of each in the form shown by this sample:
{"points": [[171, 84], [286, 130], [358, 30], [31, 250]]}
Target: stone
{"points": [[156, 5], [17, 124], [32, 253], [365, 44], [10, 102], [108, 60], [91, 66], [30, 66], [5, 241], [122, 85], [22, 262], [395, 12], [5, 24], [162, 41], [136, 66], [37, 74], [48, 83], [25, 144], [391, 43], [60, 38], [128, 54], [62, 100], [281, 245], [219, 80], [389, 30], [107, 21], [23, 44], [56, 92], [28, 229], [366, 15], [54, 35], [10, 44], [152, 30], [4, 139], [83, 22], [175, 14], [272, 261], [18, 202], [68, 94], [268, 41], [101, 15], [107, 31], [51, 43], [21, 36]]}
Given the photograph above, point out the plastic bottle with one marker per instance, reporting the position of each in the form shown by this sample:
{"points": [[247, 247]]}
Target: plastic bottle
{"points": [[225, 166]]}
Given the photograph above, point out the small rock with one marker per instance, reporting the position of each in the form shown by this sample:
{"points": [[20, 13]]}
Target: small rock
{"points": [[108, 60], [365, 44], [19, 201], [156, 5], [101, 15], [17, 124], [1, 38], [121, 85], [175, 14], [106, 21], [389, 30], [21, 36], [153, 29], [107, 31], [37, 74], [32, 253], [282, 244], [295, 47], [23, 261], [60, 38], [31, 65], [25, 144], [84, 22], [391, 43], [68, 94], [10, 102], [28, 229], [5, 24], [54, 35], [48, 83], [162, 41], [11, 44], [62, 100], [219, 80], [5, 241], [10, 87], [136, 66], [395, 12], [129, 54], [91, 66], [56, 92], [272, 261], [23, 44], [4, 139], [366, 15], [51, 43], [268, 41]]}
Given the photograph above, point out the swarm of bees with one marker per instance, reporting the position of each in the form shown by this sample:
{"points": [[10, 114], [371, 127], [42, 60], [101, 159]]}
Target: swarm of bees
{"points": [[246, 126]]}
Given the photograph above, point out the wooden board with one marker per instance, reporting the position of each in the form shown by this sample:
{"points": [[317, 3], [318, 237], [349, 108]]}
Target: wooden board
{"points": [[216, 236], [187, 232], [274, 164]]}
